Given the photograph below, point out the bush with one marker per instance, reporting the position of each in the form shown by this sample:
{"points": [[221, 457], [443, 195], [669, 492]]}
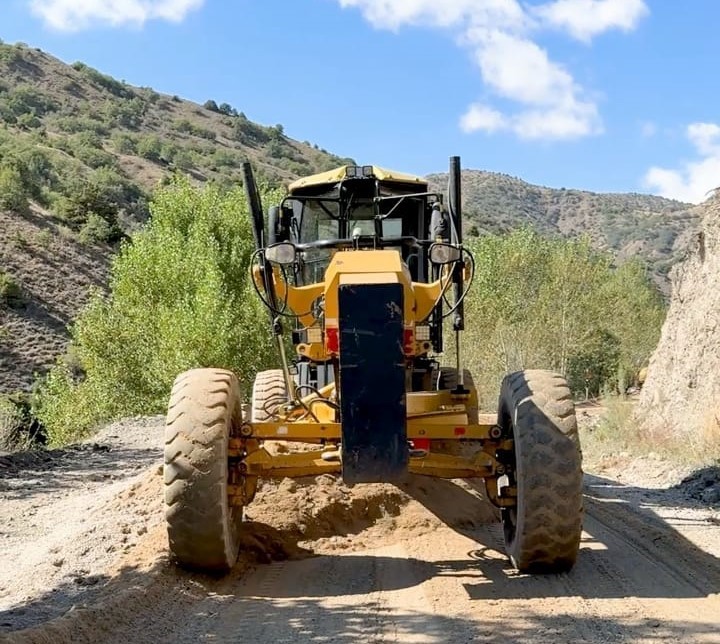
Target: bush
{"points": [[19, 429], [13, 192], [557, 304], [127, 113], [179, 298], [103, 192], [186, 127], [26, 99], [96, 230], [29, 121], [124, 143], [227, 109], [76, 124], [10, 290], [249, 133], [108, 83], [149, 147], [94, 157]]}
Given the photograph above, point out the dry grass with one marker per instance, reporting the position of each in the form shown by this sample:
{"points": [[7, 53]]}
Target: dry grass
{"points": [[710, 433], [618, 432]]}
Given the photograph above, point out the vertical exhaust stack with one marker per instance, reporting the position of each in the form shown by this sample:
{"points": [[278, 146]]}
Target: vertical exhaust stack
{"points": [[253, 199], [456, 215], [258, 226], [458, 285]]}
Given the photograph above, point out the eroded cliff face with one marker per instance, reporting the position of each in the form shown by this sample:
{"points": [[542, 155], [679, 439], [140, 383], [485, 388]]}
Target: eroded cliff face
{"points": [[681, 395]]}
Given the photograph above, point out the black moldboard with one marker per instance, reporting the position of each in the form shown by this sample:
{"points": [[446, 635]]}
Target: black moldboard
{"points": [[372, 383]]}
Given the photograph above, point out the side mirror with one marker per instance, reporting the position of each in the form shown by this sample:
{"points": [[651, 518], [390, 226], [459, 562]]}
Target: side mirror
{"points": [[282, 254], [444, 253]]}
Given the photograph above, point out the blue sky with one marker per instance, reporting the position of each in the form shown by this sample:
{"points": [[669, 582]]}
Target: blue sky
{"points": [[606, 95]]}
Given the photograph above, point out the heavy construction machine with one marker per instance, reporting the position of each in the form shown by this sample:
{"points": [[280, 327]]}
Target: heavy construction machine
{"points": [[363, 272]]}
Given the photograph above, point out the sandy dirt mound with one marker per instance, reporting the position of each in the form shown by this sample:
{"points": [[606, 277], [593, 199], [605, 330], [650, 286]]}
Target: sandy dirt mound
{"points": [[325, 515], [83, 529]]}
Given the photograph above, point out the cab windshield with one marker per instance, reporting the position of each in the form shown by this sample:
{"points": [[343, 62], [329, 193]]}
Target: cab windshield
{"points": [[319, 220]]}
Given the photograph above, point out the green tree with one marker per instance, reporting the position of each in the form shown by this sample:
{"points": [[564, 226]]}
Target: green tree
{"points": [[227, 109], [556, 304], [179, 298]]}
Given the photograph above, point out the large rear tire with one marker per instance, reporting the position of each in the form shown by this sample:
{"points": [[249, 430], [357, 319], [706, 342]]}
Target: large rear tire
{"points": [[268, 394], [542, 532], [202, 524]]}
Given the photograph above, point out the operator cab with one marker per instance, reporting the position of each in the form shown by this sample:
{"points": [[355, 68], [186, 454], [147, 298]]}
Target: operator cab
{"points": [[355, 207]]}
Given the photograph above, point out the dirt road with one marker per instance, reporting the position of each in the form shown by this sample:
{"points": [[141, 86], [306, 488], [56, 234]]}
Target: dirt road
{"points": [[83, 559]]}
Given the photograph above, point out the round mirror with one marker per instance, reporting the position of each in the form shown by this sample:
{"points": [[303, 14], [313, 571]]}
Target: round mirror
{"points": [[282, 253], [444, 253]]}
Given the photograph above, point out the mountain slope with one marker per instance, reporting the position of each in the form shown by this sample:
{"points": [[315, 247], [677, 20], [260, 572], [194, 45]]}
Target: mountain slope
{"points": [[629, 225], [47, 277], [66, 129], [80, 153]]}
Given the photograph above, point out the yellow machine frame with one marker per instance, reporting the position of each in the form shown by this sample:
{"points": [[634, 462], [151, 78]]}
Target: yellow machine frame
{"points": [[431, 415]]}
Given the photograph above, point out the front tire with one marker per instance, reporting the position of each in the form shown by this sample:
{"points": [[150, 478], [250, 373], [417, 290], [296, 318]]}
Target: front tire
{"points": [[202, 524], [542, 532], [268, 395]]}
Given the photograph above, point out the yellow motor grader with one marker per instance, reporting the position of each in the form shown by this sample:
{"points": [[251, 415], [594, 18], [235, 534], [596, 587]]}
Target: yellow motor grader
{"points": [[364, 270]]}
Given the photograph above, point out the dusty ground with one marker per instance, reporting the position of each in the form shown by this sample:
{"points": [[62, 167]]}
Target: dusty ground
{"points": [[83, 559]]}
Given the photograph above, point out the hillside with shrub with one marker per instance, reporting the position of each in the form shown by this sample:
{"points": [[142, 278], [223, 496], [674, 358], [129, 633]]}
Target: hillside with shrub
{"points": [[88, 147], [82, 153]]}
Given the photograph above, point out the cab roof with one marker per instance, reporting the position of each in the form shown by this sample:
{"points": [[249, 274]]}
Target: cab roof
{"points": [[351, 171]]}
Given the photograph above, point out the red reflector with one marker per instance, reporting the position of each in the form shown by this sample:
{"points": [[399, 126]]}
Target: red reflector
{"points": [[409, 341], [421, 443], [331, 340], [459, 431]]}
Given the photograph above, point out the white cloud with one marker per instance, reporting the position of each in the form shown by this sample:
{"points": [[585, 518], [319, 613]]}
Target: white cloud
{"points": [[705, 137], [585, 19], [554, 123], [550, 103], [74, 15], [694, 180], [392, 14], [519, 69], [482, 117]]}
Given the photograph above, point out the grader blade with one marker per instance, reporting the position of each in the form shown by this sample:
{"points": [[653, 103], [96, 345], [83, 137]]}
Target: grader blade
{"points": [[372, 383]]}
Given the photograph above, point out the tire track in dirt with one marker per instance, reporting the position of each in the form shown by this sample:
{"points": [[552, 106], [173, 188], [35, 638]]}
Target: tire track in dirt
{"points": [[420, 563]]}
